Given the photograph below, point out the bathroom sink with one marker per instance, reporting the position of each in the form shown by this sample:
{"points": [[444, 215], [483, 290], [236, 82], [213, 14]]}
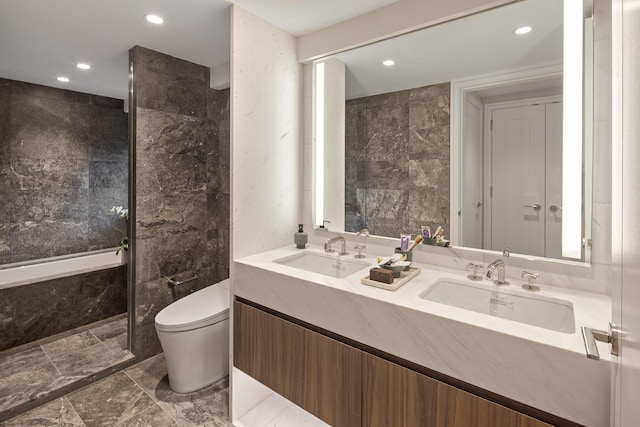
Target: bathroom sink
{"points": [[328, 265], [536, 310]]}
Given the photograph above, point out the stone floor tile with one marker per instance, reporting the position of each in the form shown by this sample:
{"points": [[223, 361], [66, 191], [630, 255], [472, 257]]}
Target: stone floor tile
{"points": [[76, 342], [209, 406], [113, 335], [30, 356], [115, 400], [60, 412]]}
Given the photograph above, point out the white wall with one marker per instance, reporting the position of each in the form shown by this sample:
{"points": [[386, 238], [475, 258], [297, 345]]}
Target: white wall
{"points": [[266, 154], [266, 146], [396, 18]]}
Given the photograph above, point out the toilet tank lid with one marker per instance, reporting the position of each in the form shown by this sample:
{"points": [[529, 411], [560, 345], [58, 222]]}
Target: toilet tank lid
{"points": [[202, 308]]}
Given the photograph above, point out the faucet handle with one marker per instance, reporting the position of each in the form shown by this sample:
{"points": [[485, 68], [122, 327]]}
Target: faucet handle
{"points": [[474, 267], [359, 248], [530, 277]]}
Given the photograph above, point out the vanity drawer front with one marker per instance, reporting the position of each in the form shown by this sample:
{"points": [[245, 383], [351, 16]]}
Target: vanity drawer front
{"points": [[315, 372], [394, 396]]}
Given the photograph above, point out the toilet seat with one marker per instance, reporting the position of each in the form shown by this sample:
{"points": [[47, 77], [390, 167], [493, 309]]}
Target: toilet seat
{"points": [[203, 308]]}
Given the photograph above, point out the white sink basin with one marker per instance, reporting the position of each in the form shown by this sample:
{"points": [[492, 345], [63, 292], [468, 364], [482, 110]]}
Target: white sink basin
{"points": [[536, 310], [328, 265]]}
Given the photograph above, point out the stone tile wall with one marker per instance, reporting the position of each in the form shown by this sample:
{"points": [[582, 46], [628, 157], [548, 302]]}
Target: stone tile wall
{"points": [[181, 213], [38, 310], [397, 161], [63, 165]]}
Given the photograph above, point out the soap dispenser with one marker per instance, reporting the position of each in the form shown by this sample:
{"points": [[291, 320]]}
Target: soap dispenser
{"points": [[300, 238]]}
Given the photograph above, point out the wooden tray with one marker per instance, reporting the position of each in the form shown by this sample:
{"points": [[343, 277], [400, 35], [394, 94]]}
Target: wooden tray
{"points": [[405, 276]]}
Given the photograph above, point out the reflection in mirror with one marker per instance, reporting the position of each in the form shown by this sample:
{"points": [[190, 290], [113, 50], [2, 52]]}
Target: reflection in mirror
{"points": [[464, 131]]}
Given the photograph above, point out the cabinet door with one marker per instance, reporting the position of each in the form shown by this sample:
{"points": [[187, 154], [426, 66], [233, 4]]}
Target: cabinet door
{"points": [[396, 396], [317, 373]]}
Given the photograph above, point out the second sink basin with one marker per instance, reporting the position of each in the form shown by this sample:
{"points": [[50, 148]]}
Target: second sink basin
{"points": [[545, 312], [328, 265]]}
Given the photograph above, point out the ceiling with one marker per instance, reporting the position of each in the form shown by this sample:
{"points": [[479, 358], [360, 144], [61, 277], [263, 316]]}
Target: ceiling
{"points": [[43, 39], [473, 46]]}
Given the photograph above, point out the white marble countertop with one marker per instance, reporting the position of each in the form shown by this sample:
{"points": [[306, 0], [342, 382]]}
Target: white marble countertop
{"points": [[542, 368]]}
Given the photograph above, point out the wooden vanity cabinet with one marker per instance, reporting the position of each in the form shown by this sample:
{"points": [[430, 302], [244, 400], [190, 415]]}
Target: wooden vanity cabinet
{"points": [[315, 372], [393, 395], [348, 387]]}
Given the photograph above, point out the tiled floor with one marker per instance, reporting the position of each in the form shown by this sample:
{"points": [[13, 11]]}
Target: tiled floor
{"points": [[138, 396], [40, 371]]}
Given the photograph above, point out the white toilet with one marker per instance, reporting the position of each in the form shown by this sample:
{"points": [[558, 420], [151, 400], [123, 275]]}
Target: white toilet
{"points": [[194, 334]]}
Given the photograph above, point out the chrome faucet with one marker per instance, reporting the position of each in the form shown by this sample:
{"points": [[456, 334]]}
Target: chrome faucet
{"points": [[343, 250], [499, 264]]}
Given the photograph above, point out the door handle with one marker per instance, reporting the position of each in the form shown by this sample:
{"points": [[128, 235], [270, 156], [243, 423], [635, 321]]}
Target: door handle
{"points": [[535, 206], [555, 208], [590, 336]]}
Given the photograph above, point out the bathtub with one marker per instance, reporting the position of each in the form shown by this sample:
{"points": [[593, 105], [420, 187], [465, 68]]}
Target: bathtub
{"points": [[52, 268], [44, 297]]}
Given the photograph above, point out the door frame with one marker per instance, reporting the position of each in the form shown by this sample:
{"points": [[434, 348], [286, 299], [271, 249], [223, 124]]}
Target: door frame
{"points": [[487, 146], [459, 88]]}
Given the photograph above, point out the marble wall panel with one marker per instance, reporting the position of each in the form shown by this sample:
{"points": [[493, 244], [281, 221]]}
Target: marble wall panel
{"points": [[162, 215], [38, 310], [397, 161], [56, 146], [162, 91], [69, 205], [182, 186], [105, 226], [172, 152]]}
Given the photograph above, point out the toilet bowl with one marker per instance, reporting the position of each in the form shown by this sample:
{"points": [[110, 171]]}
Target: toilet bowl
{"points": [[194, 334]]}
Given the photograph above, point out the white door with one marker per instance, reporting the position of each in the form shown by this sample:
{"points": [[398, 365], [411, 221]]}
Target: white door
{"points": [[518, 179], [626, 247], [472, 172], [553, 191]]}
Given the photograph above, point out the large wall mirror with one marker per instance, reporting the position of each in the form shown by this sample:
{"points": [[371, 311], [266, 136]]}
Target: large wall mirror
{"points": [[465, 125]]}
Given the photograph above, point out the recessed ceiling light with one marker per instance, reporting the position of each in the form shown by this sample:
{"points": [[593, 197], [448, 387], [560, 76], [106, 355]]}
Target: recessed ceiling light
{"points": [[388, 62], [522, 30], [154, 19], [83, 66], [63, 79]]}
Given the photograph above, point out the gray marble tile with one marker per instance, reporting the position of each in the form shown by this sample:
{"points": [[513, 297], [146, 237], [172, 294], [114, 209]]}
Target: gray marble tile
{"points": [[60, 412], [218, 210], [429, 173], [53, 205], [47, 128], [170, 64], [26, 357], [113, 334], [209, 406], [111, 125], [29, 314], [172, 93], [116, 400], [387, 131], [19, 88], [161, 215], [73, 343], [27, 385], [213, 156], [145, 341], [151, 297], [87, 361], [392, 175], [170, 151], [108, 174], [167, 256], [106, 228], [27, 239], [45, 174]]}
